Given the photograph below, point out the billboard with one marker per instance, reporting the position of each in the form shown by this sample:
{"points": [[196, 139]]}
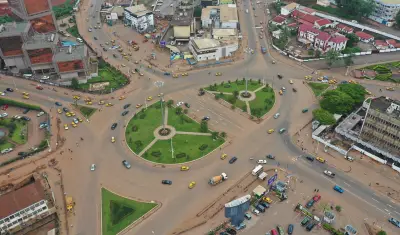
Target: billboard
{"points": [[36, 6], [272, 179], [67, 66], [11, 46], [236, 209], [40, 56], [44, 24]]}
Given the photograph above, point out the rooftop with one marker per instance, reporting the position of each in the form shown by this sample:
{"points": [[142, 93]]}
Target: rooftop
{"points": [[138, 10], [119, 10], [306, 10], [290, 6], [228, 13], [344, 27], [390, 2], [391, 41], [278, 19], [338, 39], [380, 43], [382, 103], [182, 18], [323, 22], [62, 53], [206, 43], [13, 28], [224, 32], [21, 198], [364, 35]]}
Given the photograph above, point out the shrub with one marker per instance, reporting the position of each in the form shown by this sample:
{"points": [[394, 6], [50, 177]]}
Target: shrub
{"points": [[266, 89], [203, 147], [19, 104], [156, 153], [338, 208], [185, 111], [142, 115], [227, 85], [181, 155], [135, 128], [383, 77]]}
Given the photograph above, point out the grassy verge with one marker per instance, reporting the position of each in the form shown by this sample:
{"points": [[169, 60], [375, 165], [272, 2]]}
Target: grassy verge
{"points": [[63, 10], [6, 145], [182, 122], [18, 104], [187, 146], [17, 130], [231, 86], [119, 212], [74, 31], [235, 102], [318, 88], [87, 111], [264, 101], [141, 127]]}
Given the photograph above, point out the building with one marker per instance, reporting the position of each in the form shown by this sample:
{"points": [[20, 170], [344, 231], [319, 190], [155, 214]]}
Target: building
{"points": [[386, 11], [224, 16], [306, 10], [23, 207], [206, 3], [71, 62], [210, 49], [364, 37], [344, 28], [235, 210], [392, 43], [278, 20], [225, 34], [277, 33], [380, 44], [183, 22], [286, 10], [322, 23], [324, 3], [139, 18], [320, 40], [4, 8]]}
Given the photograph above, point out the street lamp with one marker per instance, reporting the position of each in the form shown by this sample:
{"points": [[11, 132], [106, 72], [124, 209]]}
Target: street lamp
{"points": [[159, 85]]}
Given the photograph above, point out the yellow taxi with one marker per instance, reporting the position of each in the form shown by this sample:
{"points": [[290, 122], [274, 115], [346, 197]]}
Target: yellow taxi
{"points": [[291, 81], [223, 156], [267, 200], [280, 92], [149, 98], [138, 106], [270, 131], [218, 74], [159, 95], [101, 102], [192, 184], [65, 126], [68, 114], [321, 160], [122, 65], [73, 124], [185, 168], [332, 81], [368, 92], [25, 97], [76, 97], [25, 93], [320, 78], [308, 77], [353, 82], [121, 98], [80, 119], [59, 110], [185, 74], [120, 49], [112, 139], [89, 102], [123, 54], [390, 88], [175, 75], [72, 113], [149, 67], [126, 57], [109, 104]]}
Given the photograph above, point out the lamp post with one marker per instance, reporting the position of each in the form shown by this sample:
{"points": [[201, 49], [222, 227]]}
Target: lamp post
{"points": [[159, 85]]}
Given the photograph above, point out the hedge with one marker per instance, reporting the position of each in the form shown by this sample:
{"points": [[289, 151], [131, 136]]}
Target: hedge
{"points": [[4, 101]]}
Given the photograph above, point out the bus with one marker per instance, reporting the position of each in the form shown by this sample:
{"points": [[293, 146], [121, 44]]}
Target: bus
{"points": [[257, 170]]}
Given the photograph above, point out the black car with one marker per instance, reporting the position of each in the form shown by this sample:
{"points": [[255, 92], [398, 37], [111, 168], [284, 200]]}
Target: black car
{"points": [[280, 76], [113, 126], [25, 118], [23, 154], [205, 118], [115, 56], [127, 106], [58, 104], [310, 158], [310, 226], [124, 113], [65, 109], [95, 38], [264, 204], [26, 111], [104, 49], [126, 164], [187, 105], [169, 182], [270, 156], [10, 90], [232, 160], [231, 231], [201, 93]]}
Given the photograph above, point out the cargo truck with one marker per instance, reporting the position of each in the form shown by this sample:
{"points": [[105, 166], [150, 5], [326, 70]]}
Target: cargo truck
{"points": [[257, 170], [218, 179]]}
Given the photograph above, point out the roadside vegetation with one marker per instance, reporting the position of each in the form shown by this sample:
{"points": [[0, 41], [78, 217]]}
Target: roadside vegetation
{"points": [[63, 10], [9, 102], [86, 111], [384, 72], [74, 31], [318, 88], [264, 101]]}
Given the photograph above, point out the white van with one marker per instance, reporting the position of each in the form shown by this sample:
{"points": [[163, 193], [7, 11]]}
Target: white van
{"points": [[79, 40], [27, 75]]}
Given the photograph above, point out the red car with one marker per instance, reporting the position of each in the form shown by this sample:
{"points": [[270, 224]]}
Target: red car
{"points": [[5, 107], [316, 198], [39, 87]]}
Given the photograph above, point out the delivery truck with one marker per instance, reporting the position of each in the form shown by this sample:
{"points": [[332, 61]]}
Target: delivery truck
{"points": [[218, 179]]}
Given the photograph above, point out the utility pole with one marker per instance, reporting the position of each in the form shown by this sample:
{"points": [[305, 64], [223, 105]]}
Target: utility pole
{"points": [[159, 85]]}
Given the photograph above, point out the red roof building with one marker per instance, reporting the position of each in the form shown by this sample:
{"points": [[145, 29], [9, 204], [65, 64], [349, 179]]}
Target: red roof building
{"points": [[306, 10], [364, 37], [279, 20], [297, 14], [391, 43], [381, 45], [320, 40], [322, 23], [310, 18], [344, 28]]}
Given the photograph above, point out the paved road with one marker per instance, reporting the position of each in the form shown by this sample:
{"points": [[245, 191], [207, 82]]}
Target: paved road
{"points": [[143, 180]]}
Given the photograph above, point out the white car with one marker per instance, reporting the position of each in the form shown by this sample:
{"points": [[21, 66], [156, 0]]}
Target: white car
{"points": [[40, 114], [43, 125], [262, 161], [3, 94], [256, 212], [3, 115], [90, 29], [180, 103], [4, 151], [45, 77], [76, 121], [93, 167], [277, 115], [17, 117], [283, 88]]}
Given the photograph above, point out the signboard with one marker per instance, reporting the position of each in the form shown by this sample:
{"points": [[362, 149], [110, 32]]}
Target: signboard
{"points": [[163, 43], [272, 179], [98, 86]]}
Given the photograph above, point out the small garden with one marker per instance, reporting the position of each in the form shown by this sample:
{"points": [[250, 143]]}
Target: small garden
{"points": [[16, 130], [385, 72], [318, 88], [119, 212], [237, 85], [86, 111], [63, 10], [74, 31], [264, 101], [196, 142]]}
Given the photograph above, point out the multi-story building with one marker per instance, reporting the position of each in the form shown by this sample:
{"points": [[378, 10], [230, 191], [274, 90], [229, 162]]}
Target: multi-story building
{"points": [[224, 16], [386, 11], [320, 40], [139, 17], [381, 127], [210, 49]]}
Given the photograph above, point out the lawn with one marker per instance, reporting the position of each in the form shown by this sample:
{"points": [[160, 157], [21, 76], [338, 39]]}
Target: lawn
{"points": [[74, 31], [229, 98], [108, 74], [182, 122], [6, 145], [141, 127], [318, 88], [187, 144], [63, 10], [264, 101], [119, 212], [238, 85], [87, 111], [20, 127], [334, 11]]}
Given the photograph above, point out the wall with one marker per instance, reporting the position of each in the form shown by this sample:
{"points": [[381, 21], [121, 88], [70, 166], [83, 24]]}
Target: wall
{"points": [[370, 155], [396, 168], [339, 150], [228, 25]]}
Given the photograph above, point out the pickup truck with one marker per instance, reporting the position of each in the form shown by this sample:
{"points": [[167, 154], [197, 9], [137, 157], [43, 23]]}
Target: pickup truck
{"points": [[329, 173]]}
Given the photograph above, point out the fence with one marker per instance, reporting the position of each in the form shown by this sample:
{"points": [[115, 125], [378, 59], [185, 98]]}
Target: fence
{"points": [[339, 150], [213, 63]]}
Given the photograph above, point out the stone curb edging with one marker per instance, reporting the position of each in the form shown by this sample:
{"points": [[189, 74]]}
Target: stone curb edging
{"points": [[134, 223]]}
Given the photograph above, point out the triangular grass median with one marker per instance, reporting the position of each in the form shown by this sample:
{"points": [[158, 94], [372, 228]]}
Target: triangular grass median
{"points": [[119, 212]]}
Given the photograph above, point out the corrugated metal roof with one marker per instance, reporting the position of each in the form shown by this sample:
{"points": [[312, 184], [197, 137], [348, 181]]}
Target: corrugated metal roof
{"points": [[181, 31], [238, 201]]}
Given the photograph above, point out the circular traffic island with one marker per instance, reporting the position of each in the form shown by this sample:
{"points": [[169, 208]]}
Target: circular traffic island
{"points": [[177, 139]]}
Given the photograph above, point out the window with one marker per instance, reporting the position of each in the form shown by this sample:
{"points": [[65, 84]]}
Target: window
{"points": [[41, 203], [11, 216], [44, 208]]}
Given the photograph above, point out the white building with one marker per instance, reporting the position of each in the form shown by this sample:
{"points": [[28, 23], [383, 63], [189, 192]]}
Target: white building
{"points": [[224, 17], [139, 17], [210, 49], [286, 10], [386, 11], [224, 34], [324, 3]]}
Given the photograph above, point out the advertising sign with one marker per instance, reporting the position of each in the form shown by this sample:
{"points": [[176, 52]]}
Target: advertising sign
{"points": [[163, 43], [272, 179]]}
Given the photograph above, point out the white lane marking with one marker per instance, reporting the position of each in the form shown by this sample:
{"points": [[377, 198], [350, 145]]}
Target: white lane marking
{"points": [[387, 211], [375, 199], [347, 184], [397, 212], [389, 205]]}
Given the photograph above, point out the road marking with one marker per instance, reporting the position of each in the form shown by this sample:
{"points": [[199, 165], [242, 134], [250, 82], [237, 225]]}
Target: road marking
{"points": [[389, 205], [347, 184], [387, 211], [397, 212], [375, 199]]}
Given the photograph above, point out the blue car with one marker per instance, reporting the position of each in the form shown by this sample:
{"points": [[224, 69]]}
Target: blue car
{"points": [[232, 160], [58, 104], [167, 73], [338, 189], [395, 222]]}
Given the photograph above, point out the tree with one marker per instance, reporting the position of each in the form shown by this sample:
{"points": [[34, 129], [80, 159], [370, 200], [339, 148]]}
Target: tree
{"points": [[357, 8], [6, 19], [353, 39], [223, 134], [338, 208], [337, 102], [235, 93], [204, 126], [74, 83], [356, 91], [331, 57], [324, 117], [138, 144], [178, 110], [397, 19], [381, 233], [348, 60], [214, 135], [170, 103]]}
